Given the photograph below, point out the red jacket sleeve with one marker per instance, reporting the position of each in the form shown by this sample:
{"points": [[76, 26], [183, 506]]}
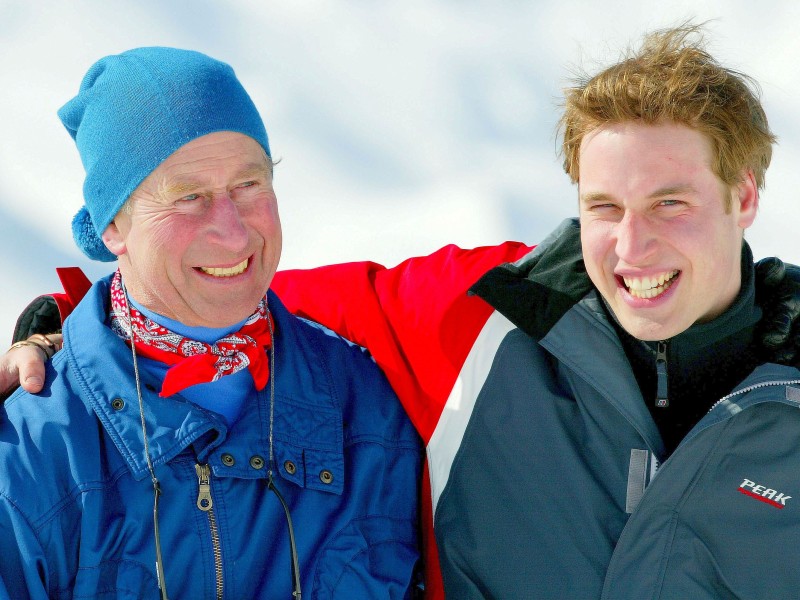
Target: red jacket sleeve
{"points": [[416, 319]]}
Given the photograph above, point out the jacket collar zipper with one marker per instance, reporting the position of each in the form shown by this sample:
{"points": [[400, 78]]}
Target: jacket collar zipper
{"points": [[662, 395], [206, 503]]}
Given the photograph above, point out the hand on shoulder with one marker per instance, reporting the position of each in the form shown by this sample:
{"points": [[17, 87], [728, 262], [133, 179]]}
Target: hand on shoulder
{"points": [[23, 364]]}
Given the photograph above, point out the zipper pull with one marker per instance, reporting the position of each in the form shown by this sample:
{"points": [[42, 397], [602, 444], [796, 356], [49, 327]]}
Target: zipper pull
{"points": [[204, 501], [662, 398]]}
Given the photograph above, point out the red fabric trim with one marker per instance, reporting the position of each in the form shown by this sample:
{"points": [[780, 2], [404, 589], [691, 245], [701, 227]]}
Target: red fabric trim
{"points": [[65, 306], [75, 284], [434, 586]]}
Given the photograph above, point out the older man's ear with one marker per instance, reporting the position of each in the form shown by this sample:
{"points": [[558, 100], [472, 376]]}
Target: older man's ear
{"points": [[113, 239]]}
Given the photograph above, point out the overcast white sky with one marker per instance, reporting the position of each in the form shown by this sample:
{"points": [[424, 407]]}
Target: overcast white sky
{"points": [[401, 126]]}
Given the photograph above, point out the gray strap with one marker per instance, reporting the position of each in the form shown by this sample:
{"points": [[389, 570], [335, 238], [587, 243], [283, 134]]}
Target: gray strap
{"points": [[793, 394], [637, 478]]}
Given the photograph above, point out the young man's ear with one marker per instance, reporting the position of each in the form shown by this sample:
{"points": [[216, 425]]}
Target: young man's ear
{"points": [[114, 240], [745, 198]]}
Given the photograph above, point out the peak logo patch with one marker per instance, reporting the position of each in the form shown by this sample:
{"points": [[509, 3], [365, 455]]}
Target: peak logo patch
{"points": [[763, 493]]}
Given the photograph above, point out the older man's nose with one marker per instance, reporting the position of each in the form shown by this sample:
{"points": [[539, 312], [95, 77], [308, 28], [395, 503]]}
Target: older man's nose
{"points": [[226, 225]]}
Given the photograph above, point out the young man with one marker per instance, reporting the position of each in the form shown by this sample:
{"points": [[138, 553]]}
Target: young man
{"points": [[197, 439], [623, 440], [549, 401]]}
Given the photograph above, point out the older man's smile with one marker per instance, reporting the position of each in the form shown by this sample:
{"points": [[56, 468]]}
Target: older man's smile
{"points": [[237, 269]]}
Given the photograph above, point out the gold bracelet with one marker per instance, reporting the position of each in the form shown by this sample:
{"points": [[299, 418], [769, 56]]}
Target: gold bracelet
{"points": [[25, 343], [36, 338], [46, 348]]}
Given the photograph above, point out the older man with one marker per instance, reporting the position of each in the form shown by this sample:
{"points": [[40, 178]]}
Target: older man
{"points": [[194, 437]]}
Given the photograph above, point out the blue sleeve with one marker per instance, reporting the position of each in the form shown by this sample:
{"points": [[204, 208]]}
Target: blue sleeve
{"points": [[23, 568]]}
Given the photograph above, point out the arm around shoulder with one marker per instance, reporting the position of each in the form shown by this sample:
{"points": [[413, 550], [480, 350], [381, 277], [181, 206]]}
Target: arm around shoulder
{"points": [[40, 325], [416, 319]]}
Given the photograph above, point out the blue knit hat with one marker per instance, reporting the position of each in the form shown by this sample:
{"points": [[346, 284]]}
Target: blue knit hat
{"points": [[135, 109]]}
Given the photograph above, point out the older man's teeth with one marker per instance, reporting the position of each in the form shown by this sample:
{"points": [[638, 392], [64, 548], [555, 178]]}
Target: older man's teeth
{"points": [[649, 287], [226, 271]]}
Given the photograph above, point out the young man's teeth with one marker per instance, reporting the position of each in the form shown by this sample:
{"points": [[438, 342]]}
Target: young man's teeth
{"points": [[226, 271], [649, 287]]}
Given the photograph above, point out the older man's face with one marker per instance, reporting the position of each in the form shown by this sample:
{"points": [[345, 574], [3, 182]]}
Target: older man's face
{"points": [[658, 242], [202, 239]]}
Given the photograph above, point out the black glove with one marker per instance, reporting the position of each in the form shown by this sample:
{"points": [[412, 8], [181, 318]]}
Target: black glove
{"points": [[778, 295], [40, 316]]}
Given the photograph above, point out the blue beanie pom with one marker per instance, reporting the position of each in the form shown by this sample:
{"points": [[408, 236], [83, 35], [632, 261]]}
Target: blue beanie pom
{"points": [[133, 111], [86, 237]]}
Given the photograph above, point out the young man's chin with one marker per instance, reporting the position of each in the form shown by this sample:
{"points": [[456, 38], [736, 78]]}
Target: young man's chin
{"points": [[650, 319], [650, 329]]}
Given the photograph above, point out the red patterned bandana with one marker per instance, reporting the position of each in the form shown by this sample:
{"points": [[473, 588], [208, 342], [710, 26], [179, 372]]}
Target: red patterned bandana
{"points": [[194, 362]]}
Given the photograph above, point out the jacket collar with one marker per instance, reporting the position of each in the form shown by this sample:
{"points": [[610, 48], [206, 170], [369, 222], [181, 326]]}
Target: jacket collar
{"points": [[586, 342], [101, 364], [548, 295], [537, 290]]}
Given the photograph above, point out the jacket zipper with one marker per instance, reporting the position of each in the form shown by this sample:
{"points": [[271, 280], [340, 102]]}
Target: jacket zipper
{"points": [[755, 386], [662, 397], [749, 388], [206, 504], [744, 390]]}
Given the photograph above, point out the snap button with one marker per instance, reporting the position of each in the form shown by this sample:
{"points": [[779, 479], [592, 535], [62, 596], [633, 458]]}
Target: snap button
{"points": [[228, 460], [118, 404], [326, 476], [257, 462], [290, 467]]}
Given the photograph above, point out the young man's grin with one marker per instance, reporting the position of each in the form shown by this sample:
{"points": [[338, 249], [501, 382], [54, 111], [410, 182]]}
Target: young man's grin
{"points": [[649, 287]]}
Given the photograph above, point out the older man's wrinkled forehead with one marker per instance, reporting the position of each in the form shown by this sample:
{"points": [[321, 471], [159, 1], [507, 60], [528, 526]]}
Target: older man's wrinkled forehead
{"points": [[175, 178]]}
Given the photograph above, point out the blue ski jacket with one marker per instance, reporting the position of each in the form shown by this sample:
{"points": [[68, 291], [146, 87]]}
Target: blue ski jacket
{"points": [[76, 497]]}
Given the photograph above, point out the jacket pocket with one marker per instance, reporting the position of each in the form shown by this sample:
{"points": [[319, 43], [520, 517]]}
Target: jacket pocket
{"points": [[119, 579], [372, 558]]}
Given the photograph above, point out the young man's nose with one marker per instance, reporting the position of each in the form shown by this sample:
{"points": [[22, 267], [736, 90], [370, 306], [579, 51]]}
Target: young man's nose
{"points": [[635, 238]]}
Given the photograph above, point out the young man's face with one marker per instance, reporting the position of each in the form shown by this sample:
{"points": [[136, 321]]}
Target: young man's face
{"points": [[659, 241]]}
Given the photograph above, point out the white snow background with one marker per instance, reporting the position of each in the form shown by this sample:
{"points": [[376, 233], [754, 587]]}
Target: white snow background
{"points": [[401, 126]]}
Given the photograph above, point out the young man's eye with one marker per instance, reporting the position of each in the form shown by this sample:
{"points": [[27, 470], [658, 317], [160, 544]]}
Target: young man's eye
{"points": [[603, 207]]}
